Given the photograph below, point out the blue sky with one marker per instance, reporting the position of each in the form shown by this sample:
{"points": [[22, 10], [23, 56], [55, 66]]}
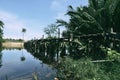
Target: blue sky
{"points": [[34, 15]]}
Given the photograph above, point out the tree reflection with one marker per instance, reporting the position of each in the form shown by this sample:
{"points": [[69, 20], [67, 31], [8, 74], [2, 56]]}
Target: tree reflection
{"points": [[46, 52], [0, 57], [12, 48], [94, 47], [22, 58]]}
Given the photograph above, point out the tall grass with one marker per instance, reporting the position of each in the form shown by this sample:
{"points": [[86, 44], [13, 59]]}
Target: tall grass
{"points": [[84, 69]]}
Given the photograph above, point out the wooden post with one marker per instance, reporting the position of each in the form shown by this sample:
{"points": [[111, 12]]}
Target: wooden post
{"points": [[35, 47], [58, 32], [71, 36], [57, 49]]}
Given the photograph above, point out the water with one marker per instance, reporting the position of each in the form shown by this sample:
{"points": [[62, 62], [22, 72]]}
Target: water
{"points": [[21, 65]]}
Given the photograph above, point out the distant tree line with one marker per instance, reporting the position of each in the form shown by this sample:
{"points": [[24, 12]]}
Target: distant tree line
{"points": [[12, 40]]}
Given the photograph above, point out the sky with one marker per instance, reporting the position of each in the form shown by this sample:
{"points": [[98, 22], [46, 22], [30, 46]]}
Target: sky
{"points": [[33, 15]]}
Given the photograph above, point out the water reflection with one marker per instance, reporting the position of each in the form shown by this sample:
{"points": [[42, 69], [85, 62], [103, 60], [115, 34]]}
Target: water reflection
{"points": [[22, 57], [92, 47], [48, 53], [45, 57], [19, 64], [0, 57], [3, 48]]}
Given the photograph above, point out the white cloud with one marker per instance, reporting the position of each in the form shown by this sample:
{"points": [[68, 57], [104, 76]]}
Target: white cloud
{"points": [[11, 21], [60, 6], [14, 24]]}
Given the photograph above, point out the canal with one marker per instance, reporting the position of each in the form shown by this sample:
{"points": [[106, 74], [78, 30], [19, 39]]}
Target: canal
{"points": [[18, 64]]}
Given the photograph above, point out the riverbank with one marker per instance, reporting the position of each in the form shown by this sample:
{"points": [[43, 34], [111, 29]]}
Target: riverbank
{"points": [[12, 44]]}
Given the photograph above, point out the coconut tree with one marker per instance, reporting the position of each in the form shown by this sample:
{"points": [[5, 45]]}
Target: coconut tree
{"points": [[23, 31], [1, 23], [81, 22], [107, 13], [51, 30], [1, 31], [116, 15], [100, 16]]}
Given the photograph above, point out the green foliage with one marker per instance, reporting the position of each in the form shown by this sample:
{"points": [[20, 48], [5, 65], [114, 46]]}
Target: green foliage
{"points": [[1, 24], [111, 70], [99, 16], [51, 30], [116, 16], [23, 30], [12, 40], [113, 55], [82, 69], [1, 32]]}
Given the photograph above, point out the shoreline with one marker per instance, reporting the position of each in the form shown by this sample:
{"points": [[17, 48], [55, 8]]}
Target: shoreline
{"points": [[13, 44]]}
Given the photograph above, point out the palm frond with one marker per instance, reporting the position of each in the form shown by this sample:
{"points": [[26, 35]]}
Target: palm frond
{"points": [[70, 8], [62, 23], [1, 24]]}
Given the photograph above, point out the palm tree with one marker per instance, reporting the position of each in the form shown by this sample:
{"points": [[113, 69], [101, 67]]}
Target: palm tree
{"points": [[51, 30], [106, 13], [1, 23], [1, 27], [116, 16], [1, 32], [100, 16], [23, 31], [81, 22]]}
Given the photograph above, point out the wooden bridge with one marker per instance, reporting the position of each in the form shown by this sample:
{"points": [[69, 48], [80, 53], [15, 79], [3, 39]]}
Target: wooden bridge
{"points": [[75, 45], [89, 36]]}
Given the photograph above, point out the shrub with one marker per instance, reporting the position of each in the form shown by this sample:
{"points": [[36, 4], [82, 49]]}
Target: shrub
{"points": [[82, 69]]}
